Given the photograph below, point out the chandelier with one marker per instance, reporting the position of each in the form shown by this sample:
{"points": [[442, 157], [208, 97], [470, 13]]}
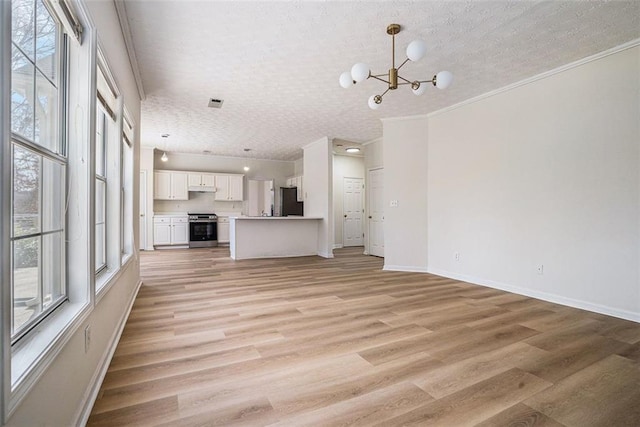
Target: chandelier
{"points": [[415, 51]]}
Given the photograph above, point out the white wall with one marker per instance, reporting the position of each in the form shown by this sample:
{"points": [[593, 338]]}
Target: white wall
{"points": [[299, 167], [343, 167], [405, 180], [373, 154], [546, 173], [259, 169], [318, 197], [60, 395]]}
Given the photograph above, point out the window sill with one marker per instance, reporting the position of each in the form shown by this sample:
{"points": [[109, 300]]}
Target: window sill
{"points": [[106, 279], [33, 355]]}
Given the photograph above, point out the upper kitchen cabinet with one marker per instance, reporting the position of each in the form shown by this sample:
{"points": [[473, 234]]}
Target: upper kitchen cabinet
{"points": [[229, 187], [296, 181], [202, 181], [169, 185]]}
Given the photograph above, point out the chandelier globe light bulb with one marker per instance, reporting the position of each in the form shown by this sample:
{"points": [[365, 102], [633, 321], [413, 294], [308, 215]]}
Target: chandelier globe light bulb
{"points": [[419, 90], [416, 50], [360, 72], [346, 81], [375, 101], [444, 79]]}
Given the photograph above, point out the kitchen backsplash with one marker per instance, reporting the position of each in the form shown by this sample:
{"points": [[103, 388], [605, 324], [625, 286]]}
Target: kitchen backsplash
{"points": [[198, 203]]}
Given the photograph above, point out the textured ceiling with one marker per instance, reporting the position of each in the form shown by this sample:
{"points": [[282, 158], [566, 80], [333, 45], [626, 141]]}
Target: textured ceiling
{"points": [[276, 64]]}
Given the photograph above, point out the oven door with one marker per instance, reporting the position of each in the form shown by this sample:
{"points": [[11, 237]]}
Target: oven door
{"points": [[203, 233]]}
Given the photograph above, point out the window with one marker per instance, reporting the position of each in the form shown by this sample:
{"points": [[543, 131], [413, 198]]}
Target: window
{"points": [[101, 189], [39, 166], [106, 180], [126, 189]]}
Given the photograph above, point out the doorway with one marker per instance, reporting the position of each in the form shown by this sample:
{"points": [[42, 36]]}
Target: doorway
{"points": [[142, 245], [352, 231], [376, 212]]}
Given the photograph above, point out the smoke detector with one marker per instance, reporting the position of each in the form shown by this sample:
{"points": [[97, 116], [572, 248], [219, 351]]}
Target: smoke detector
{"points": [[215, 103]]}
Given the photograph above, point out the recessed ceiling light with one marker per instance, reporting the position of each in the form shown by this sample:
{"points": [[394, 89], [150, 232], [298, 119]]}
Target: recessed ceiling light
{"points": [[246, 168], [352, 150]]}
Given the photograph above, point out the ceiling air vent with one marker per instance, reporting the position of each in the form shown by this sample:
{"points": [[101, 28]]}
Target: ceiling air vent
{"points": [[215, 103]]}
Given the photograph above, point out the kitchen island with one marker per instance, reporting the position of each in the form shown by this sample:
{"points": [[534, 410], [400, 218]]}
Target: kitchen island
{"points": [[273, 236]]}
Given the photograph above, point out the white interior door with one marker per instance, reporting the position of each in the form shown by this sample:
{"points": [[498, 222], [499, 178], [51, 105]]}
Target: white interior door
{"points": [[142, 245], [353, 212], [376, 212]]}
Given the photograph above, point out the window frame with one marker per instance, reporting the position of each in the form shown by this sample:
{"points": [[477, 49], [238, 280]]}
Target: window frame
{"points": [[25, 362], [44, 152], [103, 179]]}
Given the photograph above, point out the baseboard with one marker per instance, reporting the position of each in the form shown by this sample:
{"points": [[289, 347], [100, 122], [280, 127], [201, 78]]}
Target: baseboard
{"points": [[96, 381], [337, 246], [406, 268], [554, 298], [325, 254]]}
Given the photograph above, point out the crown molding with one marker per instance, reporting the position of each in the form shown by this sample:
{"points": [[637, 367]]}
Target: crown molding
{"points": [[629, 45], [121, 10]]}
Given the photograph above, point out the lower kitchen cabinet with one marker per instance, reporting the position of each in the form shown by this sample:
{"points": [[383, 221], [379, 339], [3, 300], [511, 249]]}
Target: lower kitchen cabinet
{"points": [[223, 229], [170, 230]]}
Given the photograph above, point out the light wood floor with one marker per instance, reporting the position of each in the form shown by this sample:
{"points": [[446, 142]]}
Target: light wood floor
{"points": [[316, 342]]}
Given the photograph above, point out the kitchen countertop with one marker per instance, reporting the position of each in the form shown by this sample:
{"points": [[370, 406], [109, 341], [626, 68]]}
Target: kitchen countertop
{"points": [[170, 214], [275, 217]]}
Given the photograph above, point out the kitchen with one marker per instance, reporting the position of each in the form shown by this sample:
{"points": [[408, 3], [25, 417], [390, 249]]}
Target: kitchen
{"points": [[193, 197], [326, 166]]}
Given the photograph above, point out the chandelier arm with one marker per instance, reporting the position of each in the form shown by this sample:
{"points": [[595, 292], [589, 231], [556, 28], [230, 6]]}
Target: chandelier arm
{"points": [[407, 83], [383, 93], [402, 78], [428, 81], [378, 75], [401, 65], [378, 78]]}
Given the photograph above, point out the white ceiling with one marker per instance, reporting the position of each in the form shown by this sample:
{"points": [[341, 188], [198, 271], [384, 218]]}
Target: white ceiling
{"points": [[276, 64]]}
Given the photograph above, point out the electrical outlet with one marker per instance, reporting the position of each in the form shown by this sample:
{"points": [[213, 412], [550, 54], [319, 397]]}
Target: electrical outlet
{"points": [[540, 269], [457, 256], [87, 338]]}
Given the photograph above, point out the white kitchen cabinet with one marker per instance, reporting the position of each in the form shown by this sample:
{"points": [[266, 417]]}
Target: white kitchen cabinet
{"points": [[236, 187], [161, 231], [296, 181], [170, 230], [223, 229], [180, 231], [170, 185], [299, 192], [229, 187], [201, 180]]}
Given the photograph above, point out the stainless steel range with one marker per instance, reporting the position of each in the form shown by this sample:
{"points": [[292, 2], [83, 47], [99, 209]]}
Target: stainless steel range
{"points": [[203, 230]]}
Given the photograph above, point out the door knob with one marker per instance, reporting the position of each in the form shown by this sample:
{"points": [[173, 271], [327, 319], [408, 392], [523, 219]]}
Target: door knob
{"points": [[345, 216], [370, 217]]}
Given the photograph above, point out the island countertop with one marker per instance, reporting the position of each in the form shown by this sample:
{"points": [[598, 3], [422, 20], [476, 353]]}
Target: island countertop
{"points": [[273, 236]]}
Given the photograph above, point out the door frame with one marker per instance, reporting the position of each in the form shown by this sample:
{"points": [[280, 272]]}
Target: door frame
{"points": [[366, 208], [142, 211]]}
